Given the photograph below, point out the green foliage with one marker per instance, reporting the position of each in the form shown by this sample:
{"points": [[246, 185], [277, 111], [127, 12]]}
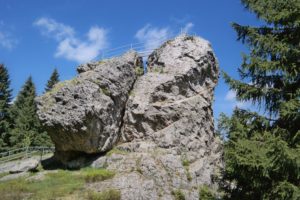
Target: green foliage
{"points": [[139, 71], [205, 193], [94, 175], [5, 99], [26, 127], [110, 194], [186, 164], [57, 185], [262, 154], [178, 194], [54, 79], [53, 186]]}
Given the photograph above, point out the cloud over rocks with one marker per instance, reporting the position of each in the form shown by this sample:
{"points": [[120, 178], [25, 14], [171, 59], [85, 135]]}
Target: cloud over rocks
{"points": [[152, 37], [187, 28], [69, 45]]}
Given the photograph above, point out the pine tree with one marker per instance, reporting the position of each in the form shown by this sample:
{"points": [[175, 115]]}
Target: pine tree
{"points": [[5, 99], [27, 128], [262, 151], [54, 78]]}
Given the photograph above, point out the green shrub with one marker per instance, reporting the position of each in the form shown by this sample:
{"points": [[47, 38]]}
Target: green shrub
{"points": [[178, 194], [110, 194], [205, 193], [139, 71], [185, 162]]}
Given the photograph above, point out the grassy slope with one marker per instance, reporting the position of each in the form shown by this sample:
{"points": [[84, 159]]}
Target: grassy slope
{"points": [[57, 185]]}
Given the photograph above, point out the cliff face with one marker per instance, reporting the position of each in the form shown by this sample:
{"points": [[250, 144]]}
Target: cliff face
{"points": [[160, 124]]}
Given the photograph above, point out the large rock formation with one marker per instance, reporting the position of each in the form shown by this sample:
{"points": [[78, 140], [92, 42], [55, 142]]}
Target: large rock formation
{"points": [[163, 120], [84, 115]]}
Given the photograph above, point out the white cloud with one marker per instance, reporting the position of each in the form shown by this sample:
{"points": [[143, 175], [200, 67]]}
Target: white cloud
{"points": [[231, 97], [70, 46], [6, 40], [152, 37], [51, 28], [187, 27]]}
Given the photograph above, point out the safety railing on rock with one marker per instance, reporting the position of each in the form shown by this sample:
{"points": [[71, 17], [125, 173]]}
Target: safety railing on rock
{"points": [[144, 49], [25, 152]]}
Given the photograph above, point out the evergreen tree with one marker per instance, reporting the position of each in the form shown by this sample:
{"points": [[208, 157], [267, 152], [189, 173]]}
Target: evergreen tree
{"points": [[5, 99], [262, 152], [54, 78], [26, 129]]}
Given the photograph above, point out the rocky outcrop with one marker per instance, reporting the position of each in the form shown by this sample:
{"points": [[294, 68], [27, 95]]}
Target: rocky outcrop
{"points": [[24, 166], [172, 102], [84, 115], [168, 125], [163, 120]]}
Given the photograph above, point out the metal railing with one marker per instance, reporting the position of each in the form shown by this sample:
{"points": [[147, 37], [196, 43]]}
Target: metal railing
{"points": [[25, 152], [141, 48]]}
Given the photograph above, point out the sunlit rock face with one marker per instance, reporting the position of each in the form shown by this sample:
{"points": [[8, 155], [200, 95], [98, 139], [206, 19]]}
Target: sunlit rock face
{"points": [[160, 124], [84, 115]]}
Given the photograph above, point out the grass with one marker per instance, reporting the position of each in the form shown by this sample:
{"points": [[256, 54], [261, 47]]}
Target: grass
{"points": [[94, 175], [186, 164], [139, 71], [53, 186], [205, 193], [110, 194], [3, 174], [138, 165], [178, 194]]}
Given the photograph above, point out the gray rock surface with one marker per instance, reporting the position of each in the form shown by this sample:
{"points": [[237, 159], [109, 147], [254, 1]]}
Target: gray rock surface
{"points": [[162, 121], [168, 126], [25, 165], [84, 115]]}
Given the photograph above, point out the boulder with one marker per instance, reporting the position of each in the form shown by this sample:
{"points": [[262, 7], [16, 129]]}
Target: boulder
{"points": [[160, 124], [172, 103], [24, 166], [84, 115], [168, 129]]}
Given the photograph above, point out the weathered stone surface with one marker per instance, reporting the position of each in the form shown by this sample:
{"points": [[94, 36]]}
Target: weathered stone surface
{"points": [[172, 102], [84, 115], [168, 126], [25, 165]]}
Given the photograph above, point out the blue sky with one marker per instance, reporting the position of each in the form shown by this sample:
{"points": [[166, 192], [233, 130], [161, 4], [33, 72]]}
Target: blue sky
{"points": [[36, 36]]}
